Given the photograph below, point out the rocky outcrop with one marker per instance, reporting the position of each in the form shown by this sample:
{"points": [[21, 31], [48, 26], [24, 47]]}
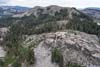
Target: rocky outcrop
{"points": [[3, 32], [76, 47], [2, 52]]}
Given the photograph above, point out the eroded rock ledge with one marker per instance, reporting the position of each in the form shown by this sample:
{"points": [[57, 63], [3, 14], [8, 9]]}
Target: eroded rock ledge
{"points": [[76, 47]]}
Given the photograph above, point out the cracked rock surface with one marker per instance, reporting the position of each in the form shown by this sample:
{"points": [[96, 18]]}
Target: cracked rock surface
{"points": [[76, 47]]}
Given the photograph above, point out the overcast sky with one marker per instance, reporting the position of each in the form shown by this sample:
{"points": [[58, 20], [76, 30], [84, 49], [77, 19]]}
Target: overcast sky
{"points": [[66, 3]]}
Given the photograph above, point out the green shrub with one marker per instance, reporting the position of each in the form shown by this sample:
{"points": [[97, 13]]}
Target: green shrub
{"points": [[31, 58], [16, 64], [27, 54], [73, 65], [1, 62], [57, 57]]}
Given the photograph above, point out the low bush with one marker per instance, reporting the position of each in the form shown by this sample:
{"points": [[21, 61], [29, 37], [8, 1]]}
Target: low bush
{"points": [[57, 57]]}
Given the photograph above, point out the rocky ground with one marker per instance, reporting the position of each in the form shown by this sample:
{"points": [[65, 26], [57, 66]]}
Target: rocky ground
{"points": [[3, 31], [2, 52], [76, 47]]}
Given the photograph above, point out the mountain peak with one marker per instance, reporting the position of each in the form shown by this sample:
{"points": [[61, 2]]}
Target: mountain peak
{"points": [[51, 10]]}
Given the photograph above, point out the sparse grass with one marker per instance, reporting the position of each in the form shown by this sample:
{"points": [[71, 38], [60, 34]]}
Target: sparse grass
{"points": [[9, 59], [73, 65]]}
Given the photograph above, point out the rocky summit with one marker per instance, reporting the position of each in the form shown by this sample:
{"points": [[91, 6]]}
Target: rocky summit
{"points": [[76, 47]]}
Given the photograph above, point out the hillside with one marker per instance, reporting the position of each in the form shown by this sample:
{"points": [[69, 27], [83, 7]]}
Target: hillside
{"points": [[77, 48], [52, 18], [53, 35]]}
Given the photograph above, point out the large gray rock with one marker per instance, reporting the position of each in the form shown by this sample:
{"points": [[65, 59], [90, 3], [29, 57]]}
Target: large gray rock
{"points": [[2, 53], [76, 47]]}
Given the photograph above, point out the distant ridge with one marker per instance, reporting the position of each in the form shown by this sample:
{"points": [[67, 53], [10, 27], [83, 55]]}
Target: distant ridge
{"points": [[92, 11], [12, 10]]}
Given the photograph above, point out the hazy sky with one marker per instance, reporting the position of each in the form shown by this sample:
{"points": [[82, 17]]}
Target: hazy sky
{"points": [[66, 3]]}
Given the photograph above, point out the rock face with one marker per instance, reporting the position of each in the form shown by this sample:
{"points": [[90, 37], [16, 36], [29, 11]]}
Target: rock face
{"points": [[2, 52], [3, 32], [43, 56], [76, 47]]}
